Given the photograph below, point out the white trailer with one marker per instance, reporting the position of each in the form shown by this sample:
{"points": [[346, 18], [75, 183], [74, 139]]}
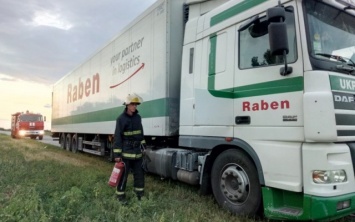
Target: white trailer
{"points": [[251, 100]]}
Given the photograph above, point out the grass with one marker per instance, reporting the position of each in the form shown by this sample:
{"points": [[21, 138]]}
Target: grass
{"points": [[40, 182]]}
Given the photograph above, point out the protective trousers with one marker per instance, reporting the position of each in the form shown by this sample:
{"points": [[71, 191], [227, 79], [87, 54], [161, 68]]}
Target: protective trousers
{"points": [[138, 178]]}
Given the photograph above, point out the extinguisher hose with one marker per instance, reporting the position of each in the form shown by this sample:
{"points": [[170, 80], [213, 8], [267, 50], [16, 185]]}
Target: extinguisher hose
{"points": [[125, 174]]}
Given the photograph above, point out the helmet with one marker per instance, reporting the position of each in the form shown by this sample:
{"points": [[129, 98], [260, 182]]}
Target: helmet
{"points": [[133, 98]]}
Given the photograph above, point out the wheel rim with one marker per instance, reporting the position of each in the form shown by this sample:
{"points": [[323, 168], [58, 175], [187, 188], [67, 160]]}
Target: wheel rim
{"points": [[235, 184]]}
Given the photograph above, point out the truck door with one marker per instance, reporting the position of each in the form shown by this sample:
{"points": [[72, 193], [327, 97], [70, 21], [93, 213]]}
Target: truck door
{"points": [[264, 99], [214, 106]]}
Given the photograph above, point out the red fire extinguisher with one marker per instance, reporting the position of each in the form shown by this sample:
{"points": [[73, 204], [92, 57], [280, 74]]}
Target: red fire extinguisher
{"points": [[116, 174]]}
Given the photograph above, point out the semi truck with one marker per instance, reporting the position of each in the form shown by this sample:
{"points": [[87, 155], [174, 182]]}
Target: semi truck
{"points": [[251, 100], [27, 124]]}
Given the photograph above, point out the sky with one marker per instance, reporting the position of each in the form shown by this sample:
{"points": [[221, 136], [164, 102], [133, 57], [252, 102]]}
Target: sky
{"points": [[43, 40]]}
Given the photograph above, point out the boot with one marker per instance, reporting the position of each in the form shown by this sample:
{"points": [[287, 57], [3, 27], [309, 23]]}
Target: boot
{"points": [[122, 199], [139, 194]]}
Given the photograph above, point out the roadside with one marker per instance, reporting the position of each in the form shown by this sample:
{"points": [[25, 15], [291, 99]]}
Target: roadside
{"points": [[46, 138], [44, 183]]}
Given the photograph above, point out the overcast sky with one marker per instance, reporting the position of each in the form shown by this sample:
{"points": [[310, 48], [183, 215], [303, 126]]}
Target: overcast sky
{"points": [[43, 40]]}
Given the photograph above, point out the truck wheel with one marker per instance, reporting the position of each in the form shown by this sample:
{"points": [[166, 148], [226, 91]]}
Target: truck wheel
{"points": [[74, 144], [40, 137], [235, 183], [68, 142], [62, 141]]}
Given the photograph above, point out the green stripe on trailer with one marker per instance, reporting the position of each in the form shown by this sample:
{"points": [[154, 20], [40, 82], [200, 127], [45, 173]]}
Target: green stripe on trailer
{"points": [[287, 205], [149, 109], [230, 12]]}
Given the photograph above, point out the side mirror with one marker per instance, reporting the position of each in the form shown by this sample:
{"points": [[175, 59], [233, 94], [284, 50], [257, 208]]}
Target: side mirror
{"points": [[44, 118], [278, 38], [277, 31], [259, 29], [276, 14], [278, 35], [248, 23]]}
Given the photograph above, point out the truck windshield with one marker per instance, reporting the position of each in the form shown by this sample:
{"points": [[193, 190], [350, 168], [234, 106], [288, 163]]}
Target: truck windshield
{"points": [[331, 37], [30, 118]]}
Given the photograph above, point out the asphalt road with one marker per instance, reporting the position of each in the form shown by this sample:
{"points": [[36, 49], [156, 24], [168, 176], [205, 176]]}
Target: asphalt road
{"points": [[46, 139]]}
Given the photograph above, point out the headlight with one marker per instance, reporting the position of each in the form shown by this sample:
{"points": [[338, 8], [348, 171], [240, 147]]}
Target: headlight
{"points": [[329, 176], [22, 132], [41, 132]]}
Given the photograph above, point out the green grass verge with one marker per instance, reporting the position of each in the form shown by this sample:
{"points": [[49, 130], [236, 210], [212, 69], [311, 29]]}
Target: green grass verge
{"points": [[40, 182]]}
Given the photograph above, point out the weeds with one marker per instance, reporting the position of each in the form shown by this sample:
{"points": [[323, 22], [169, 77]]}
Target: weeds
{"points": [[41, 182]]}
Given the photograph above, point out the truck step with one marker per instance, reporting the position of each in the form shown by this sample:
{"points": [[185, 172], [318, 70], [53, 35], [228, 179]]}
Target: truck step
{"points": [[93, 143], [98, 153], [292, 211]]}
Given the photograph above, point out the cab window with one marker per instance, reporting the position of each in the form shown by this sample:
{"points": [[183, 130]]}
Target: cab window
{"points": [[254, 47]]}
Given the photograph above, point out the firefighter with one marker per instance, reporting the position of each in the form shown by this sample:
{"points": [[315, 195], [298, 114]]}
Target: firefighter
{"points": [[129, 146]]}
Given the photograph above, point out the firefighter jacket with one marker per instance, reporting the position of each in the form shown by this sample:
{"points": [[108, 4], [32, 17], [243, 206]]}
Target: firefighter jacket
{"points": [[128, 136]]}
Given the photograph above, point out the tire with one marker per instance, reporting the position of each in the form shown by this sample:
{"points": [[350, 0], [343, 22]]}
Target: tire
{"points": [[68, 143], [40, 137], [235, 183], [62, 141], [111, 157], [109, 147], [74, 144]]}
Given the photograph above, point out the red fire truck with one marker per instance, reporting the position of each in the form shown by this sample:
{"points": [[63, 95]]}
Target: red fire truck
{"points": [[27, 125]]}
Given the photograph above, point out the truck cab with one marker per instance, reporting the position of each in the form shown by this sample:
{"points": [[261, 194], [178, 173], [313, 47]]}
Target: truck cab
{"points": [[290, 110]]}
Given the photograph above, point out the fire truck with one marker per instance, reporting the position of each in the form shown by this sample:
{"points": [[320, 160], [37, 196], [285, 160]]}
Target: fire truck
{"points": [[27, 125]]}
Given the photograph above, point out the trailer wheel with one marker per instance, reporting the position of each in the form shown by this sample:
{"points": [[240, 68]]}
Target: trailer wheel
{"points": [[74, 144], [111, 158], [62, 141], [68, 142], [235, 183]]}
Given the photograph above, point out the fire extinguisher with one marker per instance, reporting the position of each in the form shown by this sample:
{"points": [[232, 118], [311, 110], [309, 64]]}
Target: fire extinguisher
{"points": [[116, 174]]}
